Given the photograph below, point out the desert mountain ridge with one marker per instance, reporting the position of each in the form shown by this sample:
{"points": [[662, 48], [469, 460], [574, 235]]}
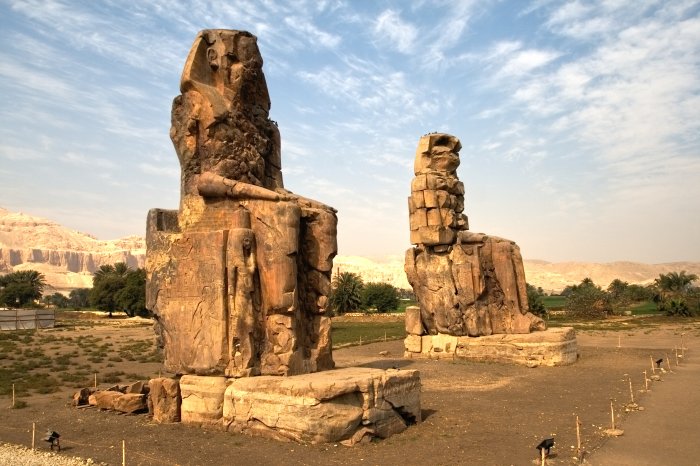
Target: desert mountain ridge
{"points": [[68, 259]]}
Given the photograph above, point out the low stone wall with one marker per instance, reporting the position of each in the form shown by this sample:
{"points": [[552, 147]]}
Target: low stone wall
{"points": [[551, 347]]}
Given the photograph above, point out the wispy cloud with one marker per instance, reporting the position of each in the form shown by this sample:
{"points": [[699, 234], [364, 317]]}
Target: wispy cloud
{"points": [[81, 160], [524, 61], [390, 30], [19, 153], [313, 34], [160, 170]]}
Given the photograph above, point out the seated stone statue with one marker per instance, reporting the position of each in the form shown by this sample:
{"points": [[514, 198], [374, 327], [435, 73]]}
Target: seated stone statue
{"points": [[466, 283], [238, 278]]}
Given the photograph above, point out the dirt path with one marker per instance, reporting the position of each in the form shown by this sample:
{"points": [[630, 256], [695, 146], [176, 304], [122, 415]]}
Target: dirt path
{"points": [[667, 431], [474, 413]]}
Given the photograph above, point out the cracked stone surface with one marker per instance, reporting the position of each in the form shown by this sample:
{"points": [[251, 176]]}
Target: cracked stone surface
{"points": [[339, 405]]}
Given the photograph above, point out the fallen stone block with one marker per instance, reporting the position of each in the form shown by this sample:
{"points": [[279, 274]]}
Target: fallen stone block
{"points": [[130, 403], [81, 397], [104, 399]]}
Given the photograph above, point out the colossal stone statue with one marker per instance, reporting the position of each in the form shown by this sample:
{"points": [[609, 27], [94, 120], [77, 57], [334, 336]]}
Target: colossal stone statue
{"points": [[238, 278], [466, 283]]}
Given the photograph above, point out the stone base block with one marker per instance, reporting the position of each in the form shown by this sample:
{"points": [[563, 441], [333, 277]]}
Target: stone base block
{"points": [[202, 399], [338, 405], [164, 400], [551, 347]]}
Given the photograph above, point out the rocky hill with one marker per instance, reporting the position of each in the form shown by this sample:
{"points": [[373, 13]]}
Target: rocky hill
{"points": [[68, 259]]}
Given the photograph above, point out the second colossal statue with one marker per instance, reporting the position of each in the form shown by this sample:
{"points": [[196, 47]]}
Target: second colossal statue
{"points": [[467, 284]]}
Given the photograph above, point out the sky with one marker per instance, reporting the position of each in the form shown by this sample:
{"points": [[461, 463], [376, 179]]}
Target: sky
{"points": [[579, 120]]}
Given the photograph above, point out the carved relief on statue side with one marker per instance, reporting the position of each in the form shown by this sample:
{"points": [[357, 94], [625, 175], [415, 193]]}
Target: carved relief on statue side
{"points": [[244, 302]]}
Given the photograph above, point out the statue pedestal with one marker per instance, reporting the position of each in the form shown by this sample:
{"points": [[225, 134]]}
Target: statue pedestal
{"points": [[330, 406], [551, 347]]}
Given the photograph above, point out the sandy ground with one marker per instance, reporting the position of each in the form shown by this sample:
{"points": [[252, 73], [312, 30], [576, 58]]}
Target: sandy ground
{"points": [[474, 413]]}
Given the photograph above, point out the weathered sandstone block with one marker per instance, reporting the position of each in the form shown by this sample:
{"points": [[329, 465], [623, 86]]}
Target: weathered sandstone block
{"points": [[413, 343], [130, 403], [164, 400], [330, 406], [104, 399], [202, 399], [551, 347], [414, 326]]}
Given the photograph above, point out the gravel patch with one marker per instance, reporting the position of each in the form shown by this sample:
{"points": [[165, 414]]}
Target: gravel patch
{"points": [[17, 455]]}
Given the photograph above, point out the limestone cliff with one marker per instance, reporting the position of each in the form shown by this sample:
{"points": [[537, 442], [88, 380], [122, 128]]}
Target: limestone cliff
{"points": [[67, 258]]}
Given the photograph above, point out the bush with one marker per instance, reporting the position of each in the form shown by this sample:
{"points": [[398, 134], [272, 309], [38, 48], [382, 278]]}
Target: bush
{"points": [[588, 300], [381, 296], [535, 301]]}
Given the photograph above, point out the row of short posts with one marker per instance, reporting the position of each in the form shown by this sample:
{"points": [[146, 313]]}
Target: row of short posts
{"points": [[613, 431]]}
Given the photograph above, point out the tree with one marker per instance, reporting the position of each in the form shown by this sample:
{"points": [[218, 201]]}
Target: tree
{"points": [[618, 293], [108, 285], [675, 295], [588, 300], [57, 300], [535, 301], [79, 298], [346, 292], [104, 292], [132, 297], [674, 282], [382, 296], [20, 288]]}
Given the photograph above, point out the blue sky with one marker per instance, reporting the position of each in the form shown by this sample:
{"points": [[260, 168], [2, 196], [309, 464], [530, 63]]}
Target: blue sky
{"points": [[580, 121]]}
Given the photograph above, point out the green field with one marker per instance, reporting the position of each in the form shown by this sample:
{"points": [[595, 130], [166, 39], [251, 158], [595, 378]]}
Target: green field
{"points": [[404, 303], [553, 303], [645, 308], [348, 333]]}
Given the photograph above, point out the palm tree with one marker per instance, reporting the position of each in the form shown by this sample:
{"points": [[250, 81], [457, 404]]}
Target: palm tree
{"points": [[106, 282], [21, 287], [346, 292], [35, 279], [674, 282], [121, 269], [102, 272]]}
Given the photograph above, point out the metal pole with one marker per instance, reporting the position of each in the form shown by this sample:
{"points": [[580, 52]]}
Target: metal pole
{"points": [[612, 414], [631, 392]]}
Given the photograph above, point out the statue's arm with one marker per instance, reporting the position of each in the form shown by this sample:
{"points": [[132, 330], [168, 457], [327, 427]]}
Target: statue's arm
{"points": [[305, 201], [212, 185]]}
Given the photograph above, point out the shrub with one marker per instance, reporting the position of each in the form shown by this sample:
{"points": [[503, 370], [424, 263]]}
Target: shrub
{"points": [[381, 296], [535, 301]]}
